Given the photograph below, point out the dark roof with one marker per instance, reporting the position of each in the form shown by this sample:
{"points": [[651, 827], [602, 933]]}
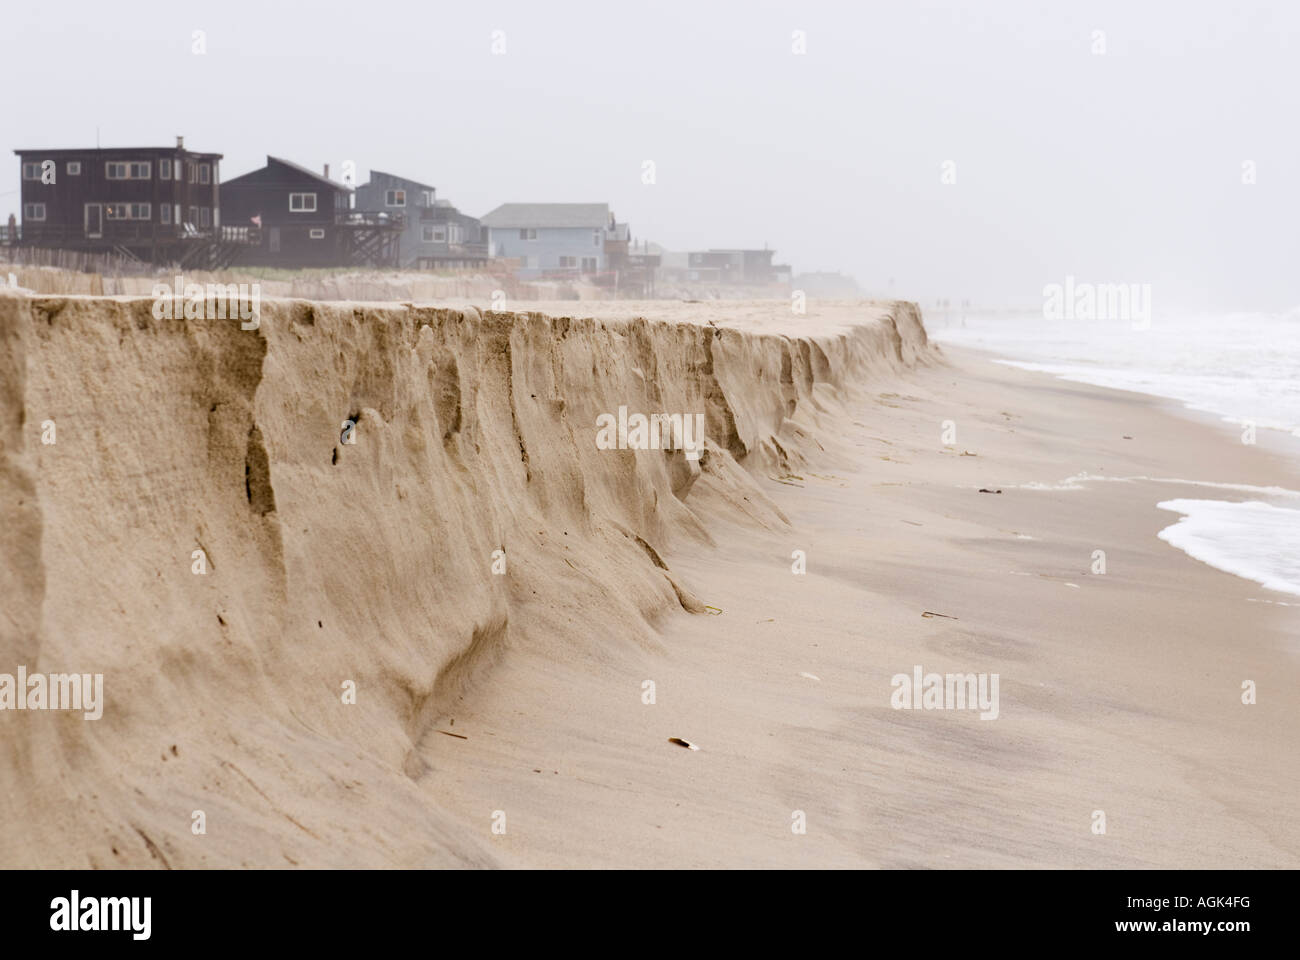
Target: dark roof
{"points": [[311, 173], [270, 161], [423, 186], [510, 215], [171, 149]]}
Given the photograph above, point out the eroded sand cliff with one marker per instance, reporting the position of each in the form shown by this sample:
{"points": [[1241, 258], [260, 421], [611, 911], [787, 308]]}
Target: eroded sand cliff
{"points": [[369, 562]]}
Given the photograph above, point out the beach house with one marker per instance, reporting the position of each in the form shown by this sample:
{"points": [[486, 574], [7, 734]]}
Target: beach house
{"points": [[155, 204], [307, 220], [552, 238], [436, 235]]}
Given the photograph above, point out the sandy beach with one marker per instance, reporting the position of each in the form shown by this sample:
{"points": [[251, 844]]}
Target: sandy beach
{"points": [[522, 717], [1120, 692]]}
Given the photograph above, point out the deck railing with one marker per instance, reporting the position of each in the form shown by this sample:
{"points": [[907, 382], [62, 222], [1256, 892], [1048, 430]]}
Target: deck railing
{"points": [[127, 233], [365, 218]]}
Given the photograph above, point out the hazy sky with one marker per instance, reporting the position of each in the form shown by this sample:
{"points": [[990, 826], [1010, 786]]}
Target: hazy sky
{"points": [[1120, 167]]}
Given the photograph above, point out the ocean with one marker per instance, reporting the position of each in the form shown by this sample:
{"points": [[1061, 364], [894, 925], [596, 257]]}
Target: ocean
{"points": [[1241, 367]]}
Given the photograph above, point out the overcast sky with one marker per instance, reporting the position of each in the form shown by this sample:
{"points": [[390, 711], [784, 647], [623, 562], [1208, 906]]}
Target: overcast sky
{"points": [[1122, 166]]}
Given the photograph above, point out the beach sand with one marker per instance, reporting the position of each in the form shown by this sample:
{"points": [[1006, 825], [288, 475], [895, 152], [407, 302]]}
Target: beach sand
{"points": [[1119, 692]]}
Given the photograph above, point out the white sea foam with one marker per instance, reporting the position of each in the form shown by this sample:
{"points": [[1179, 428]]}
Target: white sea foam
{"points": [[1256, 539], [1078, 481], [1250, 539], [1243, 367]]}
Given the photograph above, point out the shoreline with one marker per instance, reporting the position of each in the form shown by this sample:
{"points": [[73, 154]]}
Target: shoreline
{"points": [[1278, 444], [1275, 440], [1120, 693]]}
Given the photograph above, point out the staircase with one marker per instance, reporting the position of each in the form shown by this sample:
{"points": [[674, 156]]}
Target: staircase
{"points": [[219, 251]]}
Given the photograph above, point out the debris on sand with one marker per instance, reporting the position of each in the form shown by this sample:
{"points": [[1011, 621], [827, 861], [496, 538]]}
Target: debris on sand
{"points": [[931, 613], [683, 743], [987, 490]]}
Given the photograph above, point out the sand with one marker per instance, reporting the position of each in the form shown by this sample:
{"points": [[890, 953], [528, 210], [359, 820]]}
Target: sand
{"points": [[501, 718]]}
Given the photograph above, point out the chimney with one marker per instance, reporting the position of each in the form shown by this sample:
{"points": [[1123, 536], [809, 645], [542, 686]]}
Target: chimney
{"points": [[327, 171], [180, 143]]}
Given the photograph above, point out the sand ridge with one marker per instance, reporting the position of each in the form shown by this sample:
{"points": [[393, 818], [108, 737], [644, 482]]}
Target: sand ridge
{"points": [[472, 513]]}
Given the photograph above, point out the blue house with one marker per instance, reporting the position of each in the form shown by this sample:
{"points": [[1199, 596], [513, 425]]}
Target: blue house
{"points": [[553, 237]]}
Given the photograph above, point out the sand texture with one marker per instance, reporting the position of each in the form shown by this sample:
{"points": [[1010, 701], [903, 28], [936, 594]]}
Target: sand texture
{"points": [[516, 698]]}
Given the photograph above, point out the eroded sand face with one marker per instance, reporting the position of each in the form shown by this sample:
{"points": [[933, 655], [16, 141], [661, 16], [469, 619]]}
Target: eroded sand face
{"points": [[200, 533]]}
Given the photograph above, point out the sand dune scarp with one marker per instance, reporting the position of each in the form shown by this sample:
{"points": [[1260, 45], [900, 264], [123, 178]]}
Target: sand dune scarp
{"points": [[239, 528]]}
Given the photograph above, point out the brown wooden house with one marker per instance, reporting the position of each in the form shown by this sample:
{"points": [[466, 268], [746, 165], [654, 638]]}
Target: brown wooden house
{"points": [[306, 220], [157, 204]]}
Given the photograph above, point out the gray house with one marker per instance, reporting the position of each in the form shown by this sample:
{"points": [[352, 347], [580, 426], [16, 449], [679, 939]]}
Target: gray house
{"points": [[552, 237], [437, 235], [736, 266]]}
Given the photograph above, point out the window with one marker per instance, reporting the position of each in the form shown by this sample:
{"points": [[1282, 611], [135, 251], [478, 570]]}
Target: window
{"points": [[176, 213], [428, 198], [33, 211], [595, 238], [395, 198], [316, 233], [566, 262], [31, 171], [74, 168], [205, 216], [165, 211], [119, 170], [529, 234], [165, 169], [205, 173], [194, 215], [128, 211], [190, 172], [302, 202], [588, 264]]}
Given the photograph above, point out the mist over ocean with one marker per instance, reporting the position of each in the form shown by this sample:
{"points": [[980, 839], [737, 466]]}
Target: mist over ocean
{"points": [[1243, 367]]}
